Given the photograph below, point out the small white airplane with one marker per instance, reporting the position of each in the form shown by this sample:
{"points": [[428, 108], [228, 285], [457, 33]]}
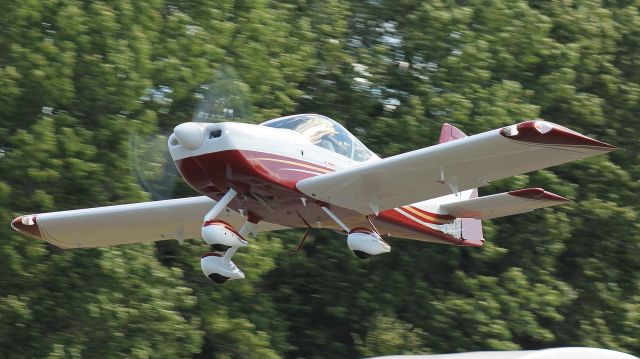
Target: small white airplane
{"points": [[307, 171]]}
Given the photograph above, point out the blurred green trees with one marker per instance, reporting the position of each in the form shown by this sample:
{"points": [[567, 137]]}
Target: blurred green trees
{"points": [[76, 78]]}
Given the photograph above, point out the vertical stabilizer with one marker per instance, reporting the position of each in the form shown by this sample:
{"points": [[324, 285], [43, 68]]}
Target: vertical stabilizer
{"points": [[450, 133]]}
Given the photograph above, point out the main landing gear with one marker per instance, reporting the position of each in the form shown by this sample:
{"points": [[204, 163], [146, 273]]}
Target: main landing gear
{"points": [[362, 241], [222, 237]]}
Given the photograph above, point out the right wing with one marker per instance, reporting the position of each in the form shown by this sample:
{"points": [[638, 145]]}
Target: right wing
{"points": [[127, 223], [453, 166], [503, 204]]}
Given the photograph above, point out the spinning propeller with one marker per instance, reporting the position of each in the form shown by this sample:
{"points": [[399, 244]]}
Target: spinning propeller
{"points": [[225, 98]]}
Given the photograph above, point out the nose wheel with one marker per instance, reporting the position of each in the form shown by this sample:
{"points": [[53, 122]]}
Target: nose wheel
{"points": [[218, 278], [219, 270], [219, 267]]}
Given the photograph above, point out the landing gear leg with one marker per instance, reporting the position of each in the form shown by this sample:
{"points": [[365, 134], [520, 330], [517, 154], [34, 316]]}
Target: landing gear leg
{"points": [[335, 218], [374, 227], [222, 203]]}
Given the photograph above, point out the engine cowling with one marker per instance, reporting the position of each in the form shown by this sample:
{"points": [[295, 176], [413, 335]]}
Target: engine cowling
{"points": [[215, 268], [217, 232], [364, 242]]}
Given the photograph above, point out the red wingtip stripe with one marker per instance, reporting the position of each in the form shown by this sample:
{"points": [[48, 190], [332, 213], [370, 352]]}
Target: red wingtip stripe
{"points": [[29, 229], [558, 135], [538, 194]]}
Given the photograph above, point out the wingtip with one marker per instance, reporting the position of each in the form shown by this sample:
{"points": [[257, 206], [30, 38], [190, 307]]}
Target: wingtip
{"points": [[27, 225], [543, 132]]}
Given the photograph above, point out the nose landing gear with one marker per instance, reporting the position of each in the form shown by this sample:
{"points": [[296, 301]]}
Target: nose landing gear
{"points": [[222, 237]]}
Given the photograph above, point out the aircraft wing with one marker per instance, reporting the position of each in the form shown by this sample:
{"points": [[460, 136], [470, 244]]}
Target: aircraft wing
{"points": [[453, 166], [128, 223]]}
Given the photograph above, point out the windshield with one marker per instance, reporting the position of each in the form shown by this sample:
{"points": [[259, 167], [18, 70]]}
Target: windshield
{"points": [[326, 133]]}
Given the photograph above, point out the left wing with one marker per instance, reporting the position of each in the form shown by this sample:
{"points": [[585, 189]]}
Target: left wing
{"points": [[458, 165], [127, 223]]}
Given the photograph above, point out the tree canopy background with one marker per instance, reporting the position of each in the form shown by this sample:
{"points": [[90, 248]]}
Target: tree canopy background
{"points": [[77, 78]]}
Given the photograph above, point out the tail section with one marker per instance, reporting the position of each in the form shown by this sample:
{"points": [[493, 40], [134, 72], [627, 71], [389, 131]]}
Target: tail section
{"points": [[460, 215], [469, 209], [457, 218]]}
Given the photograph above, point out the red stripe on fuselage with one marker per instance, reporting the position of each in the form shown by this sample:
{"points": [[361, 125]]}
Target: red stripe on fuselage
{"points": [[221, 168], [29, 229]]}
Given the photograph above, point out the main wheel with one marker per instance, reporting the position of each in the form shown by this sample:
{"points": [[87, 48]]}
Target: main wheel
{"points": [[361, 254], [218, 278]]}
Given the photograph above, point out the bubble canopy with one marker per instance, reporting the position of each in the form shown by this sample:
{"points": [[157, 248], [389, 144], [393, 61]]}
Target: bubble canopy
{"points": [[326, 133]]}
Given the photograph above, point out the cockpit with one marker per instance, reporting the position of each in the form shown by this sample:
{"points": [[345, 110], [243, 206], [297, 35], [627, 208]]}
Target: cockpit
{"points": [[326, 133]]}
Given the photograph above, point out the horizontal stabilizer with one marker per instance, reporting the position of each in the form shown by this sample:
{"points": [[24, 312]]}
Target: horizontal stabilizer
{"points": [[504, 204]]}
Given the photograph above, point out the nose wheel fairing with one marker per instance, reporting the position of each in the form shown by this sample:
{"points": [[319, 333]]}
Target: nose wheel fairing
{"points": [[217, 269]]}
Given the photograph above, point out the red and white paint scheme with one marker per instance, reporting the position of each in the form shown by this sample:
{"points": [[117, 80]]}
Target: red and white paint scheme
{"points": [[307, 171]]}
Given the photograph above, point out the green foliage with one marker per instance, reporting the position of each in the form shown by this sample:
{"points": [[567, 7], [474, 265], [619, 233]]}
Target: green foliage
{"points": [[77, 78], [390, 336]]}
